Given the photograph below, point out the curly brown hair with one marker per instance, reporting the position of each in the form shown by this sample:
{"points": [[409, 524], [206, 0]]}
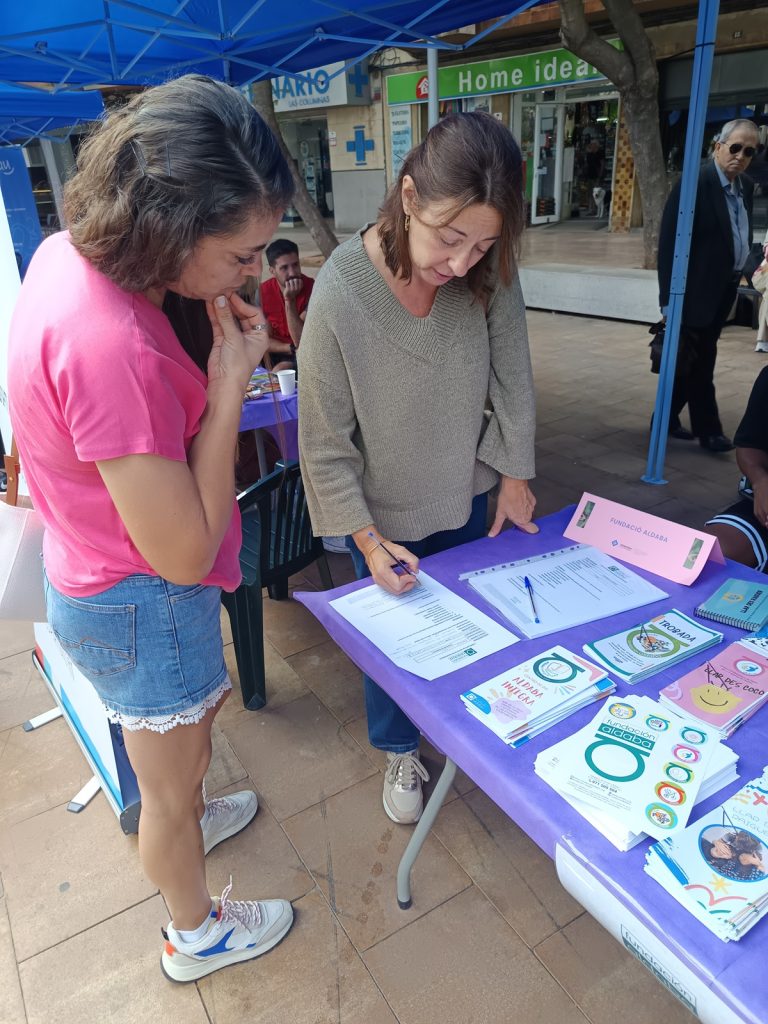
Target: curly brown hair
{"points": [[465, 159], [178, 162]]}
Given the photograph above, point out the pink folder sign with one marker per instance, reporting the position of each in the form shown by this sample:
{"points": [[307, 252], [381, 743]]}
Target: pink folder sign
{"points": [[675, 552]]}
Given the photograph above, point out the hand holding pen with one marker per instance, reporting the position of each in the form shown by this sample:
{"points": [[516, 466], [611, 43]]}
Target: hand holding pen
{"points": [[391, 565]]}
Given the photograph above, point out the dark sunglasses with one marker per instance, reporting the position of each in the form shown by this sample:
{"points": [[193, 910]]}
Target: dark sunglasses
{"points": [[736, 147]]}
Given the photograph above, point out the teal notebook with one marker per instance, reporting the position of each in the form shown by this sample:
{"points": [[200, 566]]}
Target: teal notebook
{"points": [[741, 603]]}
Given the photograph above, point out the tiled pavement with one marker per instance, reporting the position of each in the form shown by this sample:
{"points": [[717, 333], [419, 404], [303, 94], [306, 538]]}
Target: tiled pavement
{"points": [[486, 942]]}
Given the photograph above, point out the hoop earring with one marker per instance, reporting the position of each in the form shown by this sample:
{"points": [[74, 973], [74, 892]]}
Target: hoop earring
{"points": [[407, 222]]}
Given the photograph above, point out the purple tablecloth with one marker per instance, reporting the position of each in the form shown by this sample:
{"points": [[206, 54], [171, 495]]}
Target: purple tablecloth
{"points": [[267, 412], [507, 775]]}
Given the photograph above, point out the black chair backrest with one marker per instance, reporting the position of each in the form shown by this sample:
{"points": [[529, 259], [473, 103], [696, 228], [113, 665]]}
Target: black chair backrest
{"points": [[277, 532]]}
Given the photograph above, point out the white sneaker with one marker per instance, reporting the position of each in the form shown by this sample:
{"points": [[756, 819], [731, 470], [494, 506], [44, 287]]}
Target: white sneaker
{"points": [[761, 346], [238, 931], [403, 800], [226, 816]]}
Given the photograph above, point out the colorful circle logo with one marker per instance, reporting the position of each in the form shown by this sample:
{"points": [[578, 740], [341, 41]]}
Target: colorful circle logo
{"points": [[656, 723], [678, 773], [693, 736], [622, 711], [661, 816], [686, 754], [652, 643], [555, 670], [670, 794], [749, 668]]}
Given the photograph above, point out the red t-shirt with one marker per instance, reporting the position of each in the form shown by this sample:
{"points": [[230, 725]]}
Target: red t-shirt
{"points": [[273, 304]]}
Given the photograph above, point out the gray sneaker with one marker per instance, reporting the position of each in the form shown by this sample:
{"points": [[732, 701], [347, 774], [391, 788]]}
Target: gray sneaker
{"points": [[403, 800]]}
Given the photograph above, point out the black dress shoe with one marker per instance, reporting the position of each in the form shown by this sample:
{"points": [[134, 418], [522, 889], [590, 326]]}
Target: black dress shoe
{"points": [[681, 434], [716, 443]]}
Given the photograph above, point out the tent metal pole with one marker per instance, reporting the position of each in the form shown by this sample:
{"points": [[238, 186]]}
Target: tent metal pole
{"points": [[433, 115], [700, 82]]}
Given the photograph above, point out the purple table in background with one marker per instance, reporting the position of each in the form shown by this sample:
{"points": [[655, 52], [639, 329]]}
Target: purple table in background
{"points": [[719, 981], [266, 413]]}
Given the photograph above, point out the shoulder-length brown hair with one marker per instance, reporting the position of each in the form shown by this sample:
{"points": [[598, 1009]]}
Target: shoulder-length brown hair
{"points": [[465, 159], [178, 162]]}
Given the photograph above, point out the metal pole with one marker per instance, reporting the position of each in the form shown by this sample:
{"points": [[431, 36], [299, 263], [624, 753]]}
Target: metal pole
{"points": [[433, 115], [702, 74]]}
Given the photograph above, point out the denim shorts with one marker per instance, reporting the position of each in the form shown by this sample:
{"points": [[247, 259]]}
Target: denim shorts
{"points": [[152, 649]]}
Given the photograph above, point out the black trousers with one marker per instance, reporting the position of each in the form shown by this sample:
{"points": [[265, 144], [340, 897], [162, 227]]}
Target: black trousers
{"points": [[696, 387]]}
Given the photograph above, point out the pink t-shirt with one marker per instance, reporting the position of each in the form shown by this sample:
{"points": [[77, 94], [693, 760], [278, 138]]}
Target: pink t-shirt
{"points": [[96, 373]]}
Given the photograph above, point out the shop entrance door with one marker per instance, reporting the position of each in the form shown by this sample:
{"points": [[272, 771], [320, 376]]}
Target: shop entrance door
{"points": [[548, 160]]}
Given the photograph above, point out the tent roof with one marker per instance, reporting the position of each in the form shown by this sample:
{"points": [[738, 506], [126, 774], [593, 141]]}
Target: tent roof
{"points": [[30, 113], [130, 42]]}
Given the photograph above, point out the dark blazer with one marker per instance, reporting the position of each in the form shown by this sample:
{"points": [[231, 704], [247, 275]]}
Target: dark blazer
{"points": [[710, 266]]}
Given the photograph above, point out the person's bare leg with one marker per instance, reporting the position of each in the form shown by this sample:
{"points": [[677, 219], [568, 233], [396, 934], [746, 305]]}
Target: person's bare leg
{"points": [[733, 543], [170, 768]]}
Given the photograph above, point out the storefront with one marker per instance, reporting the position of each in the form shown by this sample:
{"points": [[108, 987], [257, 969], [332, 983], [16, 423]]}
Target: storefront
{"points": [[326, 120], [561, 109]]}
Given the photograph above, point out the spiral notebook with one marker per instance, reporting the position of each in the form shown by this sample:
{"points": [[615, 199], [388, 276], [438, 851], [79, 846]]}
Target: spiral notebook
{"points": [[740, 603]]}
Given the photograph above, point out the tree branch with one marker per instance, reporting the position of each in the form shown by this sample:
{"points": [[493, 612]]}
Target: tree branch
{"points": [[579, 38], [629, 26]]}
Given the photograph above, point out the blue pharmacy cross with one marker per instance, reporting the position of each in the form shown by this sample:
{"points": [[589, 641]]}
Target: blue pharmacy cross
{"points": [[358, 79], [360, 145]]}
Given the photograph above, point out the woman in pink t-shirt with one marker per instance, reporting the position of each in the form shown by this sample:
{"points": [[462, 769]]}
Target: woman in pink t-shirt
{"points": [[129, 450]]}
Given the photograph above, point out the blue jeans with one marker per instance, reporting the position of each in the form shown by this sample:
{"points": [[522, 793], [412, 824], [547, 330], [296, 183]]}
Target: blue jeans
{"points": [[388, 727]]}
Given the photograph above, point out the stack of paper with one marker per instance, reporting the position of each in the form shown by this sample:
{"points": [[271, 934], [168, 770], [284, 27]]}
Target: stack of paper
{"points": [[723, 692], [663, 641], [636, 768], [717, 868], [531, 697]]}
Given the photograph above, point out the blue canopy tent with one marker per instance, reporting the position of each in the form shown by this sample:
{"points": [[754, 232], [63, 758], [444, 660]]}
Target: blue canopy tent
{"points": [[240, 41], [34, 113]]}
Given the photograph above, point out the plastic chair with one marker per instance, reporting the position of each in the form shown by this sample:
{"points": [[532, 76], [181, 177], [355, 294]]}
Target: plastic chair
{"points": [[277, 542]]}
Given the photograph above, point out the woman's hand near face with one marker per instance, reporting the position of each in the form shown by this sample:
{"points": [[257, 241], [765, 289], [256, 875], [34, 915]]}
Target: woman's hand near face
{"points": [[240, 340], [516, 503]]}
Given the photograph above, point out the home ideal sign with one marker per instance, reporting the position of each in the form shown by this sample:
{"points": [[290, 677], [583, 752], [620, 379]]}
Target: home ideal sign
{"points": [[505, 74]]}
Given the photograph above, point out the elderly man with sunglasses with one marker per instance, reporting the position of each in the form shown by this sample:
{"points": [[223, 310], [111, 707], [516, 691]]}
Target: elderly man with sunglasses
{"points": [[720, 244]]}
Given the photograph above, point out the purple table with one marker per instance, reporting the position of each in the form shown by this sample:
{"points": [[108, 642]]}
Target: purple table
{"points": [[266, 413], [725, 973]]}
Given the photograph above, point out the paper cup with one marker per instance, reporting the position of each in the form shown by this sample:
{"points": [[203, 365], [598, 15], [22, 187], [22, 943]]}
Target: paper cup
{"points": [[287, 381]]}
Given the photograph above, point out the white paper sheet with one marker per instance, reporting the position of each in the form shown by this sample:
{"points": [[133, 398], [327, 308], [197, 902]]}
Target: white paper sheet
{"points": [[429, 631], [570, 586]]}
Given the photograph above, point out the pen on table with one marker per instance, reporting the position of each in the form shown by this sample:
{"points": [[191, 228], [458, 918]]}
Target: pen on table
{"points": [[529, 588], [399, 563]]}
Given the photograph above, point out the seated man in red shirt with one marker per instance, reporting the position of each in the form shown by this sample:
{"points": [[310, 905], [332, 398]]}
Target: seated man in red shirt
{"points": [[284, 298]]}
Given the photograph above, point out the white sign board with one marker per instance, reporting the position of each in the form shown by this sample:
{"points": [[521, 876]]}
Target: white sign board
{"points": [[402, 135], [328, 86]]}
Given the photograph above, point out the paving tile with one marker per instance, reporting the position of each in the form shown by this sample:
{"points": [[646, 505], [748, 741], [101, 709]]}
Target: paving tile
{"points": [[16, 637], [353, 851], [511, 870], [314, 976], [60, 872], [333, 678], [604, 979], [225, 767], [462, 964], [39, 770], [109, 973], [432, 759], [297, 753], [282, 683], [11, 1001], [23, 694], [290, 627]]}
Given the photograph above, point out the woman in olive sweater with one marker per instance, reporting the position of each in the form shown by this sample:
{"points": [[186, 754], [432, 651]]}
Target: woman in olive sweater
{"points": [[413, 324]]}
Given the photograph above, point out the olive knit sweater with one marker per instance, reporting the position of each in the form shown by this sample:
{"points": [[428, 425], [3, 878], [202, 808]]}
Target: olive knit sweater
{"points": [[391, 424]]}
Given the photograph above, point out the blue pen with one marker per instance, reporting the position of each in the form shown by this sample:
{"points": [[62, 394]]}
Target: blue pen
{"points": [[529, 588]]}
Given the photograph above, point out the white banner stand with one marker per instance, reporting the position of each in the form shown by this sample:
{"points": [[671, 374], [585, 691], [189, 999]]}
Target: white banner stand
{"points": [[100, 741]]}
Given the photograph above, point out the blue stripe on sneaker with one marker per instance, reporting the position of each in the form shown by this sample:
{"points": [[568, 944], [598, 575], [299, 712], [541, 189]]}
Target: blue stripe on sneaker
{"points": [[220, 947]]}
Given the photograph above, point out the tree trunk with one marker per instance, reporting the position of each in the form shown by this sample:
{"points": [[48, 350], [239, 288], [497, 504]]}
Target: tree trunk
{"points": [[321, 233], [634, 73], [642, 119]]}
